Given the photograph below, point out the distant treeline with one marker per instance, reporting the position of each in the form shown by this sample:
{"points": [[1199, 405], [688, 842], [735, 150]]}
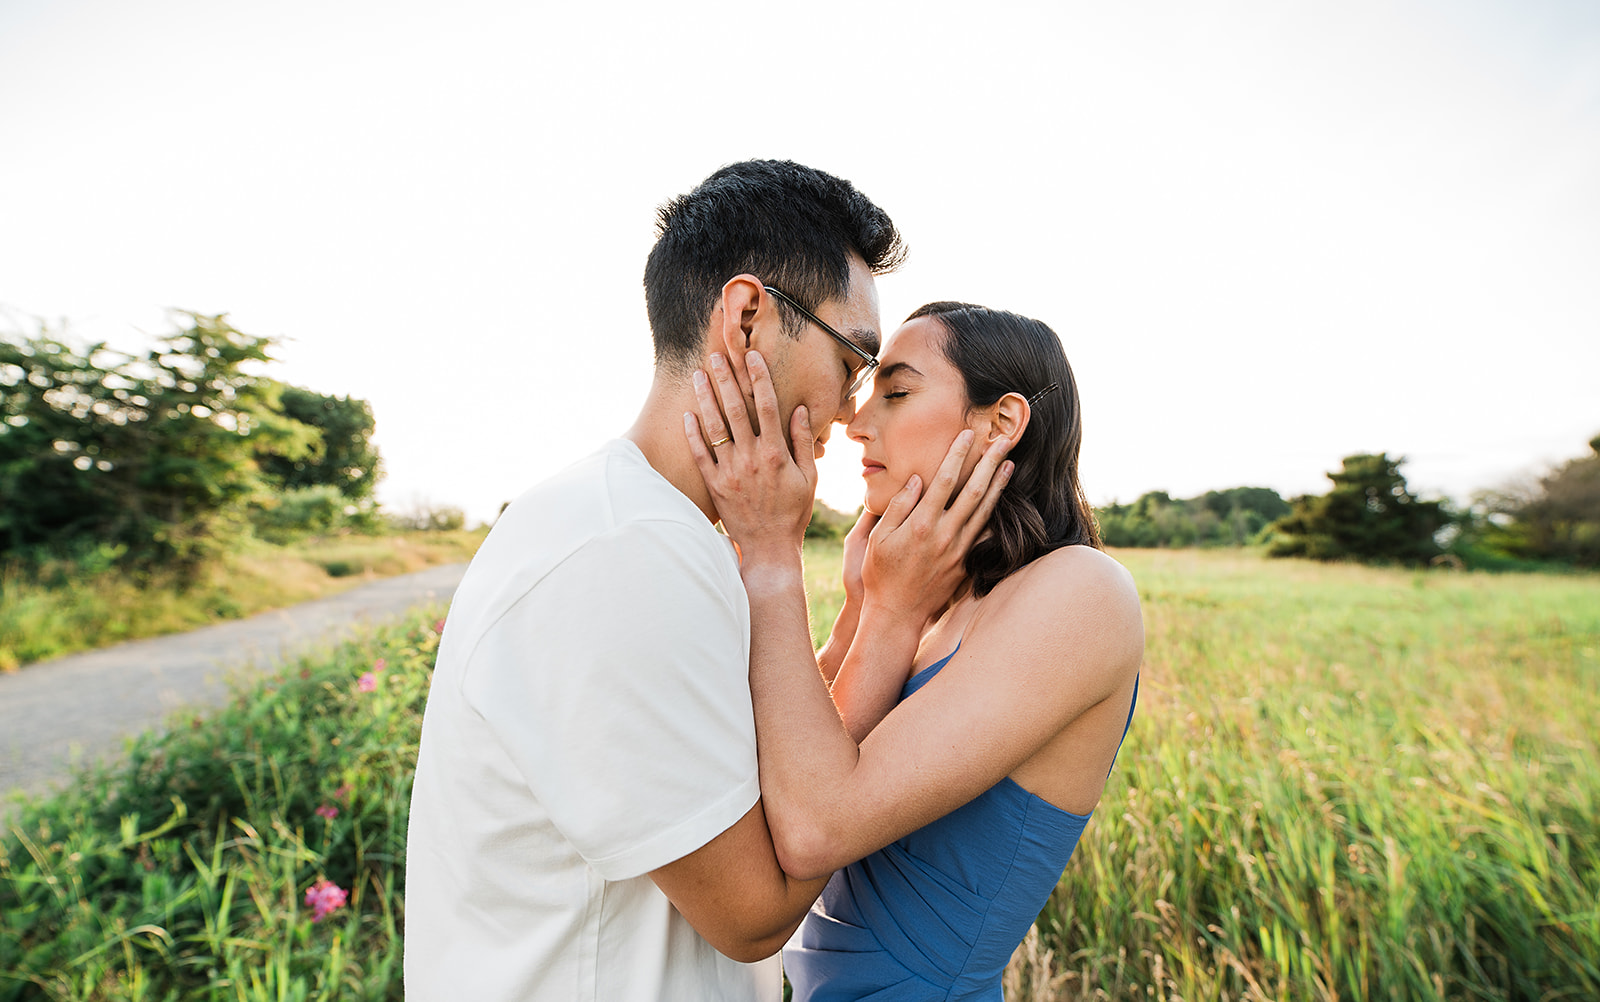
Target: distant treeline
{"points": [[1233, 517], [1370, 515], [170, 456]]}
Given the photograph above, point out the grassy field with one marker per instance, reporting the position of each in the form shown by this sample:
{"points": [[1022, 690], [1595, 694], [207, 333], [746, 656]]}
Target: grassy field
{"points": [[60, 608], [1342, 783]]}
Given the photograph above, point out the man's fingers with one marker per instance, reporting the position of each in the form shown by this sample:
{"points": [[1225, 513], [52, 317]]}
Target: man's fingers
{"points": [[982, 478], [944, 482], [991, 497], [900, 506]]}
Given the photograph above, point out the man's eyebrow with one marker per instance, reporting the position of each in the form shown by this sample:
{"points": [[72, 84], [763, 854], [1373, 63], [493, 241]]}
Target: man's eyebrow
{"points": [[869, 340], [890, 371]]}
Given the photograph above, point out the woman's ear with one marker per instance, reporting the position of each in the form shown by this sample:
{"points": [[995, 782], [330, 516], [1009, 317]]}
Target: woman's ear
{"points": [[1008, 416]]}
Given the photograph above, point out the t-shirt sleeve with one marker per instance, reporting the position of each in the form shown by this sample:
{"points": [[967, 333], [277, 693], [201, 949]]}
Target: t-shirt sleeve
{"points": [[619, 687]]}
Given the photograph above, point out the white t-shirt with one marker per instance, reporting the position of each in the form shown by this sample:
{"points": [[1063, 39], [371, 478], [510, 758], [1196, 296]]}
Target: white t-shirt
{"points": [[589, 721]]}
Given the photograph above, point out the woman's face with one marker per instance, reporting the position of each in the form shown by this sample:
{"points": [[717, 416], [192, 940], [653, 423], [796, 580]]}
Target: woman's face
{"points": [[917, 407]]}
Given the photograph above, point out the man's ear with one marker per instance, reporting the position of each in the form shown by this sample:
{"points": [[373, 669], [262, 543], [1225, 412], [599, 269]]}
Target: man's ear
{"points": [[1007, 416], [734, 326]]}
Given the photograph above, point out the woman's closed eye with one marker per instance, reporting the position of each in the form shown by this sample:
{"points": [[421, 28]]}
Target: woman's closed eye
{"points": [[895, 394]]}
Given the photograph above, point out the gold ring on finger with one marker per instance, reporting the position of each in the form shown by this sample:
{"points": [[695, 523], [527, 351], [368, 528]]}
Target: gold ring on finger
{"points": [[724, 440]]}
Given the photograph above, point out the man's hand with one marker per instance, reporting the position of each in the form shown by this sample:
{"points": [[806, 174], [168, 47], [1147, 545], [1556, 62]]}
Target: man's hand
{"points": [[916, 553], [763, 493], [855, 554]]}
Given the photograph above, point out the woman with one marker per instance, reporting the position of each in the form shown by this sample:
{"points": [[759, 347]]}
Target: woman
{"points": [[984, 667]]}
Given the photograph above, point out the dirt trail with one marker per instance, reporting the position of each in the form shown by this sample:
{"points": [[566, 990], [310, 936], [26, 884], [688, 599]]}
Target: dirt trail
{"points": [[83, 706]]}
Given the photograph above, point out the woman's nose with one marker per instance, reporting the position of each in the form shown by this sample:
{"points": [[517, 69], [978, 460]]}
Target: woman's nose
{"points": [[856, 429]]}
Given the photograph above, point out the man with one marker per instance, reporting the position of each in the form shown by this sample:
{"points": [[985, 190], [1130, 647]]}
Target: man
{"points": [[586, 822]]}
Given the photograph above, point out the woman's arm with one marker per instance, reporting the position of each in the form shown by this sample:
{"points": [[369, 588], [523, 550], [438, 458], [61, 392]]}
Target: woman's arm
{"points": [[1054, 645], [914, 564], [1041, 657]]}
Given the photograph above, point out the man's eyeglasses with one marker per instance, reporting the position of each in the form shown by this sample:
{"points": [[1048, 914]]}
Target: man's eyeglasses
{"points": [[862, 374]]}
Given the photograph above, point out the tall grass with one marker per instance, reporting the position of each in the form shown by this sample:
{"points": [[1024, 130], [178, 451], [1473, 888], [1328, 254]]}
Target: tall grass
{"points": [[1341, 783], [1346, 783], [60, 607], [183, 874]]}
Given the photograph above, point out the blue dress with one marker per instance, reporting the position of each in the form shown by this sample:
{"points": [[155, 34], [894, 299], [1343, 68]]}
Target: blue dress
{"points": [[937, 914]]}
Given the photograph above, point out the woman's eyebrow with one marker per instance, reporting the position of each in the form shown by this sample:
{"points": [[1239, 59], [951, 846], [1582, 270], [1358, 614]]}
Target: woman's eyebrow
{"points": [[890, 371]]}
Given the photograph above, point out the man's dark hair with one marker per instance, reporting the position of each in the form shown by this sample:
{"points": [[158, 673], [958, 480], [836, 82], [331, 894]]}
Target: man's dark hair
{"points": [[791, 226], [1043, 507]]}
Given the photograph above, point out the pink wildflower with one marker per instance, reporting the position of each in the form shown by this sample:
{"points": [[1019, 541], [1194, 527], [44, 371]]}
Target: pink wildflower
{"points": [[342, 794], [379, 665], [438, 626], [328, 811], [323, 897], [368, 682]]}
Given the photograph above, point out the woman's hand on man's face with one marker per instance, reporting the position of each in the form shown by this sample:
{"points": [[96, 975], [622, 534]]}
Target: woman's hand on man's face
{"points": [[762, 492], [916, 553]]}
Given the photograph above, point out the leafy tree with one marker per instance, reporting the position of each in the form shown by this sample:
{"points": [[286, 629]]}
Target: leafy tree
{"points": [[1369, 515], [155, 452], [345, 458], [829, 523], [1231, 517], [1556, 519]]}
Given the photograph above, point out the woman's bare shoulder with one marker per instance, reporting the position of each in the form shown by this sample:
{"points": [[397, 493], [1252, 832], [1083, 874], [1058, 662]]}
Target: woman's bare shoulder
{"points": [[1075, 574], [1076, 599]]}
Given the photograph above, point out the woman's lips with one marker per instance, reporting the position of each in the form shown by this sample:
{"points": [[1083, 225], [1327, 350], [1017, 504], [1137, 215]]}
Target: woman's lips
{"points": [[868, 467]]}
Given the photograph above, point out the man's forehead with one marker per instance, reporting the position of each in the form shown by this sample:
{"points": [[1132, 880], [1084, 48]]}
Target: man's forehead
{"points": [[858, 316]]}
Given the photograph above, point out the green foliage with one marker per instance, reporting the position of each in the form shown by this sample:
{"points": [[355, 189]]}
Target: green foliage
{"points": [[62, 604], [429, 518], [1341, 782], [1232, 517], [1369, 515], [318, 510], [344, 458], [183, 873], [1557, 520], [156, 452], [829, 524], [1346, 782]]}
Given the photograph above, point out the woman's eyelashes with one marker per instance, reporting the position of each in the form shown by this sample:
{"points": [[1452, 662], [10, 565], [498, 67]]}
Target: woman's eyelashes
{"points": [[895, 394]]}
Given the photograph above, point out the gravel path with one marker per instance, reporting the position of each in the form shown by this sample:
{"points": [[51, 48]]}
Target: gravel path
{"points": [[83, 706]]}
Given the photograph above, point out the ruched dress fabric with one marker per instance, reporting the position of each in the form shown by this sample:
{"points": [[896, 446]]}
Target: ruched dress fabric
{"points": [[937, 915]]}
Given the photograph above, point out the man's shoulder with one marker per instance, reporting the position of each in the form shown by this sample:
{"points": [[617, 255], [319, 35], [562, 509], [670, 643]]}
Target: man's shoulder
{"points": [[609, 506], [610, 488]]}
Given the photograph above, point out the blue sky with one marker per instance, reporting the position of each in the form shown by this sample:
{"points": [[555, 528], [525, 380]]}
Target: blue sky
{"points": [[1269, 235]]}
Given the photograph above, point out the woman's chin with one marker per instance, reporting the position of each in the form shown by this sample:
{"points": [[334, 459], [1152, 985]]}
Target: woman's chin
{"points": [[875, 501]]}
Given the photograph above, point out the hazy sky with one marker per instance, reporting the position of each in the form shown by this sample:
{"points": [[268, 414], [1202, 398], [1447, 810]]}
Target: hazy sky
{"points": [[1269, 234]]}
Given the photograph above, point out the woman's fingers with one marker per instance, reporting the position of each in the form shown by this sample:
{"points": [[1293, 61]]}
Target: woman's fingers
{"points": [[703, 459], [730, 396], [711, 420]]}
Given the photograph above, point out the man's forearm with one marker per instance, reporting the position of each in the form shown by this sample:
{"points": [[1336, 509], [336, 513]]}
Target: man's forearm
{"points": [[836, 648]]}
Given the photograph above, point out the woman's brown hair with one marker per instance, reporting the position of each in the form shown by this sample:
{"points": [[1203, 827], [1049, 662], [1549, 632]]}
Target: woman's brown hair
{"points": [[1042, 507]]}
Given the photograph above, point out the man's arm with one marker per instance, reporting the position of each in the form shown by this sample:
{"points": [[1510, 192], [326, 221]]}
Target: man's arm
{"points": [[735, 894]]}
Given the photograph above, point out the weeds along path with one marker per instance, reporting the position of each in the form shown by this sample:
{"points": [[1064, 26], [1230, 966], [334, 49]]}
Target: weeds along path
{"points": [[82, 706]]}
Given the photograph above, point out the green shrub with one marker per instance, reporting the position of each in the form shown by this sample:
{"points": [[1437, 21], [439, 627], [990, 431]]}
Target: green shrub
{"points": [[183, 873]]}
